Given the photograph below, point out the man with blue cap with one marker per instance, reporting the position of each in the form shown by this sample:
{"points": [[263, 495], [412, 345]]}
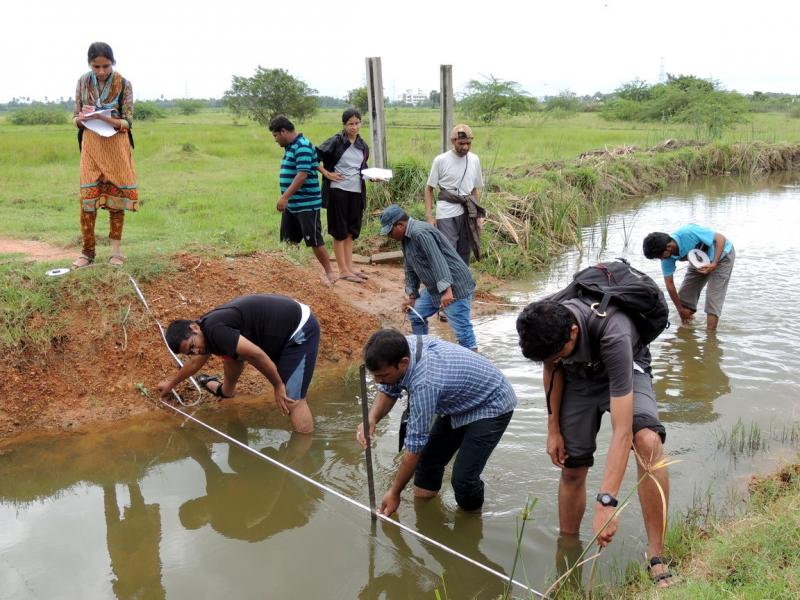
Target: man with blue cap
{"points": [[430, 259]]}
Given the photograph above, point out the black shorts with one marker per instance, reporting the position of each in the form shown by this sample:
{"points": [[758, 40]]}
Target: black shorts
{"points": [[299, 226], [345, 213]]}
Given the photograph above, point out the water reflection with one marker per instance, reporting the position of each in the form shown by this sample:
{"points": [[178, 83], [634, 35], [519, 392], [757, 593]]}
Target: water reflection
{"points": [[457, 529], [568, 550], [257, 500], [133, 539], [690, 376]]}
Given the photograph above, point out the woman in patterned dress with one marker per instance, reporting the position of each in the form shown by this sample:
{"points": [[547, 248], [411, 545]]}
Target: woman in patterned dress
{"points": [[108, 178]]}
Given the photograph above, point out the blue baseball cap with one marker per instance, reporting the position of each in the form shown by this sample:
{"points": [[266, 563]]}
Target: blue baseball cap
{"points": [[390, 215]]}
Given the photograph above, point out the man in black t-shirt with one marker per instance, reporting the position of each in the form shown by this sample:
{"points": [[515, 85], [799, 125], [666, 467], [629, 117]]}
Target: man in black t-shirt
{"points": [[277, 335], [595, 364]]}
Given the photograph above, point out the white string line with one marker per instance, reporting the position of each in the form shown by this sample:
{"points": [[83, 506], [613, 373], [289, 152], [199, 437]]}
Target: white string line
{"points": [[341, 496], [164, 337], [311, 481]]}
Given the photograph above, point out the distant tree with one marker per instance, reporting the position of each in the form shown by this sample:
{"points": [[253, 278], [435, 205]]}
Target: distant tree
{"points": [[189, 106], [147, 111], [681, 99], [268, 93], [716, 112], [38, 114], [688, 83], [635, 90], [488, 100], [566, 103], [330, 102], [435, 98], [358, 97]]}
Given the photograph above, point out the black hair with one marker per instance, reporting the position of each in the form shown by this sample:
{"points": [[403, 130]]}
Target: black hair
{"points": [[98, 49], [177, 331], [655, 243], [349, 113], [385, 347], [543, 328], [279, 123]]}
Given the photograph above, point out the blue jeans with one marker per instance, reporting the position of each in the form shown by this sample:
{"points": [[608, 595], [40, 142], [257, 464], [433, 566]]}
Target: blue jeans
{"points": [[458, 315]]}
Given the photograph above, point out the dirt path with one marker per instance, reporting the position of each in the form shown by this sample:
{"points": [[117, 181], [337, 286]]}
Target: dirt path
{"points": [[107, 362], [38, 251]]}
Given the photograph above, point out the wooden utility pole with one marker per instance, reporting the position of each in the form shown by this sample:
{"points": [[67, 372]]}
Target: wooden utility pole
{"points": [[377, 121], [446, 103]]}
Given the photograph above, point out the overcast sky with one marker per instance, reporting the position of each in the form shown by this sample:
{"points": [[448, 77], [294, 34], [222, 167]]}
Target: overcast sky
{"points": [[177, 48]]}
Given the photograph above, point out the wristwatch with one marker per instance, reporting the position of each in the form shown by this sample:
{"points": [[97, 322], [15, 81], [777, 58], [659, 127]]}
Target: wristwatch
{"points": [[606, 499]]}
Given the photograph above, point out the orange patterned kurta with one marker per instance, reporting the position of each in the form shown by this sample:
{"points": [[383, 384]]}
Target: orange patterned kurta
{"points": [[108, 177]]}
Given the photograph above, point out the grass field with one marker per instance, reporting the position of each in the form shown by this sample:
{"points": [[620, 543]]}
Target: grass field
{"points": [[208, 180]]}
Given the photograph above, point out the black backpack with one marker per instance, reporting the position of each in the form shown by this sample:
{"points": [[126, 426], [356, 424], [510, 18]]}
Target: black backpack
{"points": [[617, 283]]}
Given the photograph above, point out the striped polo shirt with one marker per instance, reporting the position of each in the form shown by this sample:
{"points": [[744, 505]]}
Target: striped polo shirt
{"points": [[299, 156]]}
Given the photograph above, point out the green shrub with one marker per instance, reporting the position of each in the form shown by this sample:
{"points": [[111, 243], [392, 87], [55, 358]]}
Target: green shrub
{"points": [[189, 106], [147, 111], [38, 114]]}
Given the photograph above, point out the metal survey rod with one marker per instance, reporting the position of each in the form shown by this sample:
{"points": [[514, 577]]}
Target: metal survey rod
{"points": [[362, 372]]}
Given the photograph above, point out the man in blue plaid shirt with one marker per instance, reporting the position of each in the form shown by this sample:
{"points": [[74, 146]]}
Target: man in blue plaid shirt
{"points": [[458, 402]]}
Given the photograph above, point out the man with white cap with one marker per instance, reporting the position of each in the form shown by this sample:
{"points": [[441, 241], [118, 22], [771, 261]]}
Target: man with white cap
{"points": [[457, 174]]}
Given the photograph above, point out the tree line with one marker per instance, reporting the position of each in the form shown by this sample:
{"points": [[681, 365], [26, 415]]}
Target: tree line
{"points": [[269, 92]]}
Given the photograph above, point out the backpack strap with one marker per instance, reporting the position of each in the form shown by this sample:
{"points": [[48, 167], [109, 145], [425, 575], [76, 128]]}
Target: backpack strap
{"points": [[404, 416], [601, 308]]}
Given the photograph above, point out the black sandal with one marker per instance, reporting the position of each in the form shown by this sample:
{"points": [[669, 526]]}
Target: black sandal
{"points": [[666, 574], [203, 379]]}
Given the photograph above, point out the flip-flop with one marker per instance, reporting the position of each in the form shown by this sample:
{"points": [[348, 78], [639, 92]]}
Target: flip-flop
{"points": [[362, 274], [352, 278]]}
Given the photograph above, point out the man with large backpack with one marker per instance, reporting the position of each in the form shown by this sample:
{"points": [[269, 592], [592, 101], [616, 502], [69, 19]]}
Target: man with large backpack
{"points": [[593, 340]]}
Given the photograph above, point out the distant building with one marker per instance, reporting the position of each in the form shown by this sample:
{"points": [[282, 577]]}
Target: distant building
{"points": [[414, 97]]}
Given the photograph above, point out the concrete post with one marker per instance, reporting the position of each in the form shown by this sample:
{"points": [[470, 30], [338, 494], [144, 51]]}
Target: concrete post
{"points": [[377, 120], [446, 103]]}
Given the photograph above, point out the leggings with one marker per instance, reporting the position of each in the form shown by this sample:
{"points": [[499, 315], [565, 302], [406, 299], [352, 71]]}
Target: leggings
{"points": [[115, 217]]}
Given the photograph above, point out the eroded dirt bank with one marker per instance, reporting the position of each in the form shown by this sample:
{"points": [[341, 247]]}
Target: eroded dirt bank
{"points": [[107, 360]]}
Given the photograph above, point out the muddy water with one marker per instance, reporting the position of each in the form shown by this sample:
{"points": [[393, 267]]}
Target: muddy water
{"points": [[152, 510]]}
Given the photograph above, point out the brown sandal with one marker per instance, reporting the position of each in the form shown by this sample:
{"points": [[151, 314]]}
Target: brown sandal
{"points": [[82, 261], [116, 260]]}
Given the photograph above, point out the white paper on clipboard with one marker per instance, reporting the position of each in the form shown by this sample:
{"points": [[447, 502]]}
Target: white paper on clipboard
{"points": [[376, 173], [99, 126]]}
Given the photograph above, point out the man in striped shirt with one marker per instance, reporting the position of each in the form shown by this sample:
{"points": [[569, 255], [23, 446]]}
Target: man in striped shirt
{"points": [[458, 402], [430, 259], [301, 199]]}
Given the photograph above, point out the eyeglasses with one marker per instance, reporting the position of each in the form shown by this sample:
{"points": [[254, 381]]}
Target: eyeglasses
{"points": [[193, 348]]}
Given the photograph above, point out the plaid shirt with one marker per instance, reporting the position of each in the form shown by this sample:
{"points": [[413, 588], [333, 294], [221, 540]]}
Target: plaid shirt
{"points": [[449, 380], [430, 259]]}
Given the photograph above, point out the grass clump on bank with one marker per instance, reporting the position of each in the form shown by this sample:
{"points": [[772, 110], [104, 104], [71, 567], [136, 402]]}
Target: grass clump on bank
{"points": [[755, 556], [32, 305]]}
